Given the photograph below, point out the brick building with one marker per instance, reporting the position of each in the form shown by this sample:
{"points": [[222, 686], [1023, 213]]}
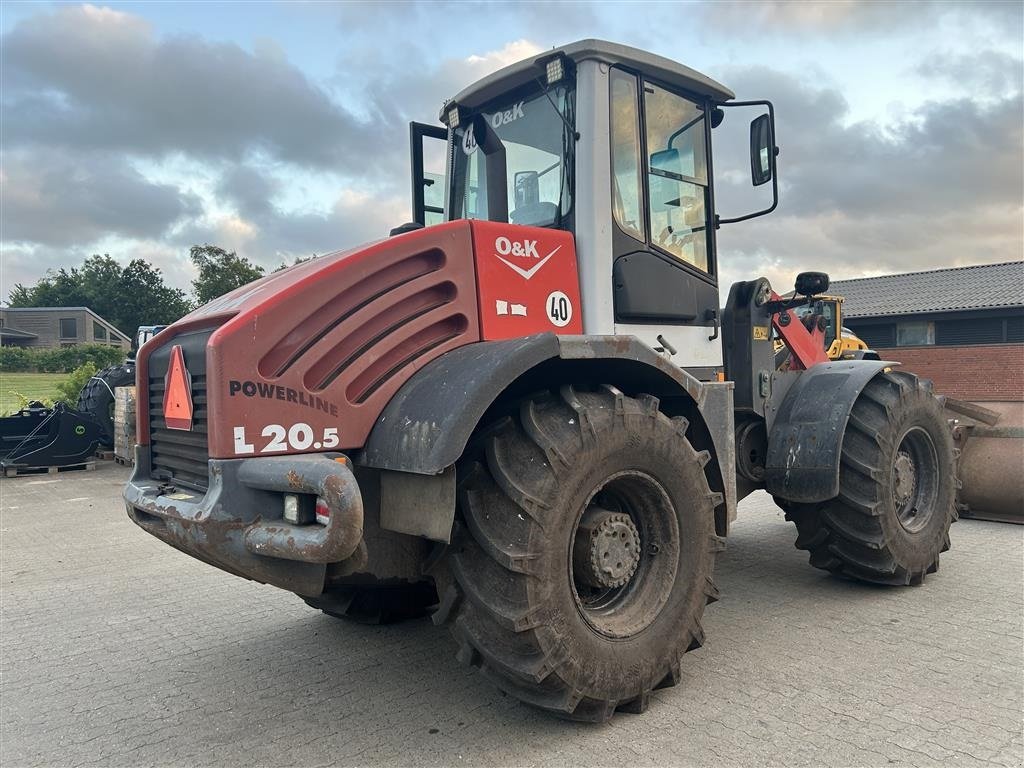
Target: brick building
{"points": [[962, 327]]}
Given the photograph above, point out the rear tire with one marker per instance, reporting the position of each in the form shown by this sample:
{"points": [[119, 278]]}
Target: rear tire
{"points": [[537, 597], [377, 603], [897, 489], [97, 396]]}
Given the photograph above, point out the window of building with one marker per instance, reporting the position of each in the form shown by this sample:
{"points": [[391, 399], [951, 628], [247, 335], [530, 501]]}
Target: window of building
{"points": [[915, 333], [625, 139], [881, 336], [68, 328], [99, 332], [987, 330], [1015, 329], [677, 177]]}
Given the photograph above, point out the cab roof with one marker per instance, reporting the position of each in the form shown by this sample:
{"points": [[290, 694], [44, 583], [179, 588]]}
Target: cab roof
{"points": [[659, 68]]}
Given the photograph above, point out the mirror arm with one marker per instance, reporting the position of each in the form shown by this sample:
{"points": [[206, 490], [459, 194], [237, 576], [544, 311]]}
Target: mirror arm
{"points": [[683, 130]]}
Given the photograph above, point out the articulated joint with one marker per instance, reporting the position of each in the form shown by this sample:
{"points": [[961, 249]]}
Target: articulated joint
{"points": [[332, 481]]}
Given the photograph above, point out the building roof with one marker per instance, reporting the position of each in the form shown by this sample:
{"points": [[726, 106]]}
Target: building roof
{"points": [[658, 67], [957, 289], [121, 333]]}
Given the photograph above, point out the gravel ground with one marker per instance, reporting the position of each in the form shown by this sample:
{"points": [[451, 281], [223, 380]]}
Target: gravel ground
{"points": [[118, 650]]}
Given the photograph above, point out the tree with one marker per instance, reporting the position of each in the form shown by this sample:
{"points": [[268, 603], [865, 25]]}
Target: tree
{"points": [[127, 296], [220, 272], [298, 260]]}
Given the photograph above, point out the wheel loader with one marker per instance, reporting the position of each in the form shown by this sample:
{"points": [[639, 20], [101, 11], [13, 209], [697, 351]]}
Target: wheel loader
{"points": [[839, 341], [530, 419]]}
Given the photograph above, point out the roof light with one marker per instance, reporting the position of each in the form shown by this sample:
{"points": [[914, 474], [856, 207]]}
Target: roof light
{"points": [[452, 116], [554, 70]]}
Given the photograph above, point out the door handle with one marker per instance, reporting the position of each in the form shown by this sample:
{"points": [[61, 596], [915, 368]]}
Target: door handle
{"points": [[712, 314]]}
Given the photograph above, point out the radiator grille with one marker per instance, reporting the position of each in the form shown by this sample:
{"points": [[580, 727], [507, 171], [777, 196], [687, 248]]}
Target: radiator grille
{"points": [[178, 455]]}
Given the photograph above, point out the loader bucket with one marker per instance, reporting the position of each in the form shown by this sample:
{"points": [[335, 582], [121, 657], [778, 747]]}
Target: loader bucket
{"points": [[16, 427], [991, 467], [47, 437]]}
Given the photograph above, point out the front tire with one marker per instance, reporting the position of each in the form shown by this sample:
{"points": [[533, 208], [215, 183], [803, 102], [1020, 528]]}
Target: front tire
{"points": [[897, 489], [583, 554]]}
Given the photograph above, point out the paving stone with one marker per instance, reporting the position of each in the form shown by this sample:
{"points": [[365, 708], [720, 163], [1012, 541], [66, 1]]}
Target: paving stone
{"points": [[119, 651]]}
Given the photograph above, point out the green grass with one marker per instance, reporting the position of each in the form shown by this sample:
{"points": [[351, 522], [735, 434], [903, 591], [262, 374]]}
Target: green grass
{"points": [[35, 386]]}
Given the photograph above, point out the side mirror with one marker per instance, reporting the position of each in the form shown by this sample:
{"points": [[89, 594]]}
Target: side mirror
{"points": [[762, 148], [811, 283], [763, 154], [527, 189]]}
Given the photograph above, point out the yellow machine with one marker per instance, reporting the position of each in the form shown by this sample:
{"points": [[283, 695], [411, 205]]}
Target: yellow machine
{"points": [[840, 342]]}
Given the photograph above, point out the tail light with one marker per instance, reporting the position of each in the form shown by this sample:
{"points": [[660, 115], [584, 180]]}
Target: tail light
{"points": [[323, 514], [303, 509]]}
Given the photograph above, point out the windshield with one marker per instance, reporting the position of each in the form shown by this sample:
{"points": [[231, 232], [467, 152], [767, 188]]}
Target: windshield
{"points": [[536, 131], [826, 309]]}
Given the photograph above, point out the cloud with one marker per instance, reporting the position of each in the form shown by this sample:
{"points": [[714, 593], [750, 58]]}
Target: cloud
{"points": [[985, 72], [851, 17], [943, 187], [112, 129], [93, 78], [264, 232], [945, 156], [55, 199]]}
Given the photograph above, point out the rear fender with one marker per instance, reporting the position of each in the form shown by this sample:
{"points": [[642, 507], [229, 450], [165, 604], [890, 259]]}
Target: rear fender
{"points": [[426, 426], [806, 436]]}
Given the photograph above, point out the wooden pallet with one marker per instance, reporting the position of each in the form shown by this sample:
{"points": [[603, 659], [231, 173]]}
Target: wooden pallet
{"points": [[103, 454], [23, 471], [124, 461]]}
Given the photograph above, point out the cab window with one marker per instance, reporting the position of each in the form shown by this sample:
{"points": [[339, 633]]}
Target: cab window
{"points": [[536, 132], [625, 139], [677, 176]]}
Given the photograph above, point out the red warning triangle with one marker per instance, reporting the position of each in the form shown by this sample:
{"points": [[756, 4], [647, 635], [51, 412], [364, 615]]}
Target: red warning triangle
{"points": [[178, 392]]}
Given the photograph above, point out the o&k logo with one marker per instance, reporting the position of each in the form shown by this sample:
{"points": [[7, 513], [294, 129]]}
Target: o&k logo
{"points": [[524, 249], [496, 120], [499, 119]]}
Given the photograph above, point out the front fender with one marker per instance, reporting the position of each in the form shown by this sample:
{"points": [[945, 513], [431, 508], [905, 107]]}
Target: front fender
{"points": [[427, 424], [806, 437]]}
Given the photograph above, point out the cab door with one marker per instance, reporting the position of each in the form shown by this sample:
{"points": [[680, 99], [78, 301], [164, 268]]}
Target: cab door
{"points": [[428, 146], [665, 284]]}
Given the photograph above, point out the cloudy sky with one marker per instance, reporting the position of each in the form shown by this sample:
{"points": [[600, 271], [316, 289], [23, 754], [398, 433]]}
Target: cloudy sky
{"points": [[279, 129]]}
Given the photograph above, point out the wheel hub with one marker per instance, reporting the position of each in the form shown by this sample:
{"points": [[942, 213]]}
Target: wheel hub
{"points": [[607, 549], [905, 479]]}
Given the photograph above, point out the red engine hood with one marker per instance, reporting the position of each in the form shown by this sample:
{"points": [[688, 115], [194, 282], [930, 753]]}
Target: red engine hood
{"points": [[306, 359]]}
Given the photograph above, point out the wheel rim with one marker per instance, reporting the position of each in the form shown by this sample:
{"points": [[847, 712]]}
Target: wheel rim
{"points": [[915, 479], [624, 554]]}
